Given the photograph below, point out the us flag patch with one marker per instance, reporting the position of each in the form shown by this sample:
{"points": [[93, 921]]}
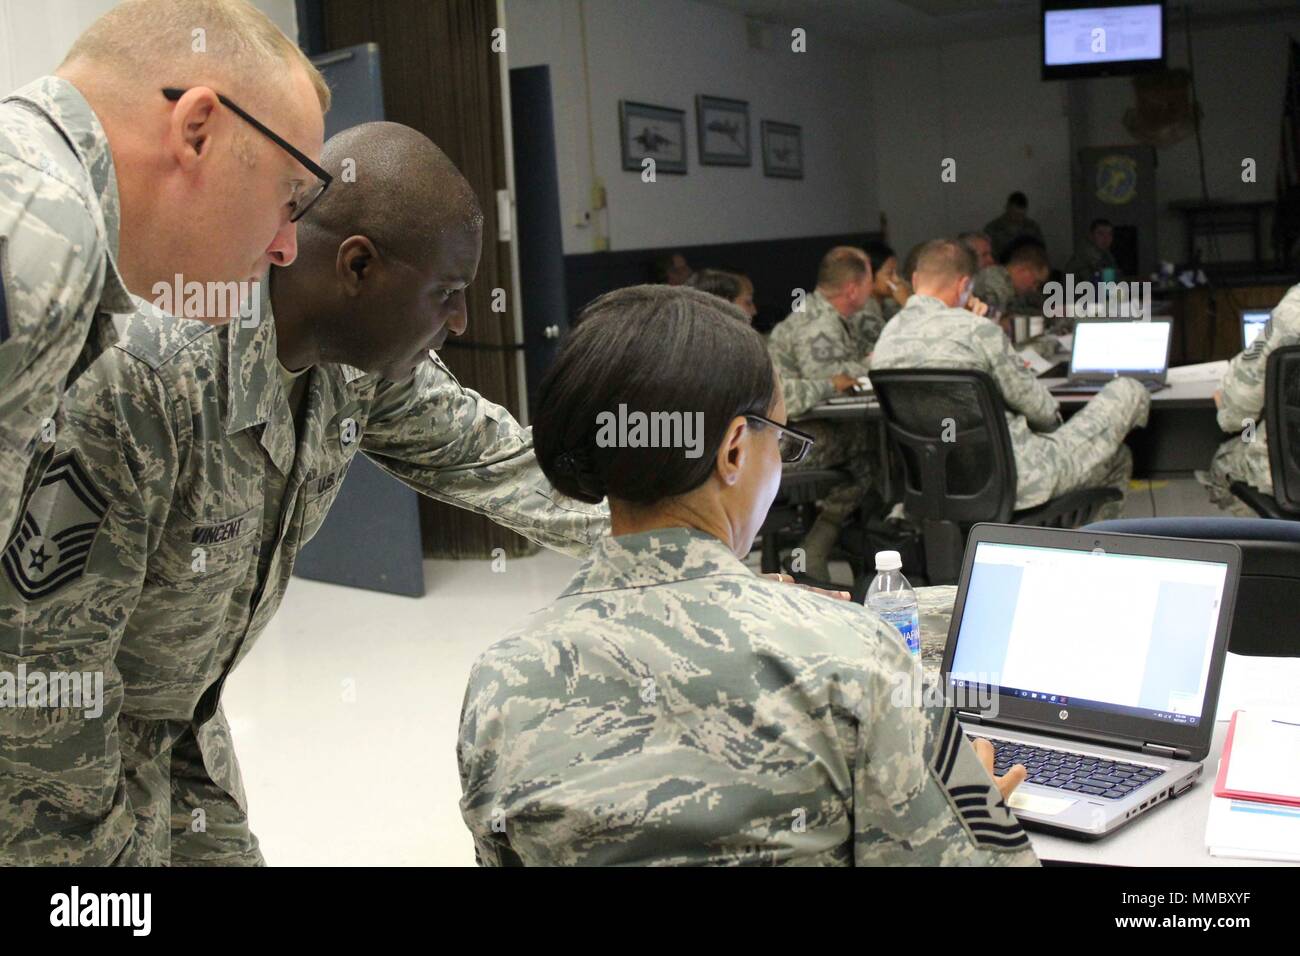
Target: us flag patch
{"points": [[56, 532]]}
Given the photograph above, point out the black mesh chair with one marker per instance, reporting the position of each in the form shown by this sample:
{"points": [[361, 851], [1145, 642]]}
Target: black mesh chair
{"points": [[792, 512], [949, 428], [1268, 592], [1282, 422]]}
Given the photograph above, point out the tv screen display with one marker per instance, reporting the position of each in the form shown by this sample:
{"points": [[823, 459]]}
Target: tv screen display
{"points": [[1087, 38]]}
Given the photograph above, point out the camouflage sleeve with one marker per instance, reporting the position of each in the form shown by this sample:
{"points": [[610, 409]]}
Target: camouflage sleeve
{"points": [[491, 845], [1243, 387], [1243, 382], [1021, 389], [826, 349], [800, 394], [51, 271], [450, 443], [921, 796], [71, 577]]}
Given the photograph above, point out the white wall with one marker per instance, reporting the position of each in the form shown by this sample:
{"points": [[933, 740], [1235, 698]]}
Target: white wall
{"points": [[982, 103], [35, 36], [665, 53], [1240, 78]]}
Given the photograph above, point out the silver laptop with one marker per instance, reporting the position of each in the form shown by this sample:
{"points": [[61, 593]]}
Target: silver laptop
{"points": [[1094, 660], [1253, 322], [1106, 349]]}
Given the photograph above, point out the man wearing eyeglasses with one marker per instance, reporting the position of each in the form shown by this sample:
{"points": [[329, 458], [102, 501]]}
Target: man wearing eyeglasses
{"points": [[140, 165], [197, 461]]}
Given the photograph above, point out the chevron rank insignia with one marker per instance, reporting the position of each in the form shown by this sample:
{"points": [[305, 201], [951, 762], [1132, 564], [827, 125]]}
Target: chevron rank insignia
{"points": [[52, 543]]}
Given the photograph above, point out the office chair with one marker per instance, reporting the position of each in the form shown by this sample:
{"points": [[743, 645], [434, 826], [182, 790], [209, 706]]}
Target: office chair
{"points": [[950, 429], [791, 513], [1282, 425], [1268, 595]]}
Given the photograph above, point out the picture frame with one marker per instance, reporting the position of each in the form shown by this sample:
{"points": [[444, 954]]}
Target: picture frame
{"points": [[782, 150], [652, 132], [722, 130]]}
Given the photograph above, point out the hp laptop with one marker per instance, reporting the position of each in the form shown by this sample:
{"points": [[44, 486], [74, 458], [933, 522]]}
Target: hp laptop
{"points": [[1094, 660], [1104, 350], [1253, 322]]}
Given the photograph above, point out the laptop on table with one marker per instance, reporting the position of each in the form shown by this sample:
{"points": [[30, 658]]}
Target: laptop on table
{"points": [[1094, 660], [1253, 322], [1107, 349]]}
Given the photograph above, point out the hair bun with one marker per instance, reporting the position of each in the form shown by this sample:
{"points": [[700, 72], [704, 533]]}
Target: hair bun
{"points": [[577, 464]]}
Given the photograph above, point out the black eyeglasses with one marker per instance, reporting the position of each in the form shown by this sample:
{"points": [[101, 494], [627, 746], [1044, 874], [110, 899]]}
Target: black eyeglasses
{"points": [[304, 196], [793, 444]]}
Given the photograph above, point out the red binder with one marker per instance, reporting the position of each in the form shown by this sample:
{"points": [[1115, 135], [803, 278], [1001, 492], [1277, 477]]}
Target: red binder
{"points": [[1221, 782]]}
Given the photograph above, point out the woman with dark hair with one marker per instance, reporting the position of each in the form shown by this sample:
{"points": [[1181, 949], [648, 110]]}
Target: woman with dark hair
{"points": [[732, 286], [672, 706], [890, 290]]}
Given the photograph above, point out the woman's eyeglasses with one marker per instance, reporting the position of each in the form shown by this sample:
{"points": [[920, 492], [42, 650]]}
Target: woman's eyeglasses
{"points": [[306, 194], [790, 442]]}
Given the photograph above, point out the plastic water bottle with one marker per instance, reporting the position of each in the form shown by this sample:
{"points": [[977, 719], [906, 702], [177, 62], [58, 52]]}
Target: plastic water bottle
{"points": [[892, 598]]}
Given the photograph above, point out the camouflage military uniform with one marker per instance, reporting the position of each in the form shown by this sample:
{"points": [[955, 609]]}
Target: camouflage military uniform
{"points": [[1243, 401], [189, 496], [1003, 231], [1051, 458], [1089, 260], [672, 707], [807, 349], [58, 275], [993, 285]]}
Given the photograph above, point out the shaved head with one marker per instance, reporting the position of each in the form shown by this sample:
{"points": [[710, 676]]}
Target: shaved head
{"points": [[394, 186], [229, 45], [942, 260]]}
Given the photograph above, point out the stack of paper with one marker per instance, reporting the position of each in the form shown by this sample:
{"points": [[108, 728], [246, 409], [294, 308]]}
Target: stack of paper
{"points": [[1255, 811], [1196, 374], [1253, 831]]}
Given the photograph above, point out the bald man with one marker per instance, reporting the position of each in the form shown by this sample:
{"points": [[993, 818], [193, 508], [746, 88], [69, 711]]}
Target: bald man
{"points": [[820, 349], [201, 460], [110, 185], [934, 330]]}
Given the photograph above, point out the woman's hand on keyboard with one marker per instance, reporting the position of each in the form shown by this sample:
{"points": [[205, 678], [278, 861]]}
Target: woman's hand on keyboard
{"points": [[1008, 782]]}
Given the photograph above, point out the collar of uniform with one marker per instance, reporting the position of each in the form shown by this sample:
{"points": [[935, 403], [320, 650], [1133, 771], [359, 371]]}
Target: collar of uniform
{"points": [[819, 303], [351, 374], [64, 106], [647, 558], [254, 387], [924, 303]]}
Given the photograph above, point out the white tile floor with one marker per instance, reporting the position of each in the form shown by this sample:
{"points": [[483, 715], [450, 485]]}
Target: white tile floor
{"points": [[345, 714]]}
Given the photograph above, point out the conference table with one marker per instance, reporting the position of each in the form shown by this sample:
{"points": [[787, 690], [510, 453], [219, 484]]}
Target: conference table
{"points": [[1181, 434]]}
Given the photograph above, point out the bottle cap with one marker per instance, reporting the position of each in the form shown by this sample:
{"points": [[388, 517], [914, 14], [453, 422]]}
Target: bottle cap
{"points": [[888, 561]]}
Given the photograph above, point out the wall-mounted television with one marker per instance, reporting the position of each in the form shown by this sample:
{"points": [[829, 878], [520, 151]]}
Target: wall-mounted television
{"points": [[1086, 38]]}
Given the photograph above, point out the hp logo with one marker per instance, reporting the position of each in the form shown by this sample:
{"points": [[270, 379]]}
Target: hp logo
{"points": [[1064, 715]]}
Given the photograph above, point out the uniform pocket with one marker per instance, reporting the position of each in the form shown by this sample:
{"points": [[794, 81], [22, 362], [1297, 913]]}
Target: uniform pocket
{"points": [[59, 705], [207, 556]]}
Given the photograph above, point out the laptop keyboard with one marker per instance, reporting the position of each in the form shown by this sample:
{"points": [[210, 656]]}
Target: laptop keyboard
{"points": [[1064, 770], [1084, 388]]}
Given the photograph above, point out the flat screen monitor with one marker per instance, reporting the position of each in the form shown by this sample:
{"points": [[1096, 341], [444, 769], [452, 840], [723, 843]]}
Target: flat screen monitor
{"points": [[1082, 38], [1253, 322]]}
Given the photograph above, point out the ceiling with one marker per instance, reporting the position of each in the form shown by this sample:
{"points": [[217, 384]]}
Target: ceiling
{"points": [[898, 23]]}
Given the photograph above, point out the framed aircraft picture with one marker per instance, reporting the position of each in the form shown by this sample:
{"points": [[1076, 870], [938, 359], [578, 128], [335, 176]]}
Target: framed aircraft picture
{"points": [[652, 132], [722, 127], [782, 150]]}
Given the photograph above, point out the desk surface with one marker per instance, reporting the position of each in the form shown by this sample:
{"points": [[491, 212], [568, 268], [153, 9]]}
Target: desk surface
{"points": [[1179, 395], [1173, 834]]}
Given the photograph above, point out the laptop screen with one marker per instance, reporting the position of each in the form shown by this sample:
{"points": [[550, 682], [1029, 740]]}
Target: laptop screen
{"points": [[1112, 348], [1120, 633], [1253, 322]]}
